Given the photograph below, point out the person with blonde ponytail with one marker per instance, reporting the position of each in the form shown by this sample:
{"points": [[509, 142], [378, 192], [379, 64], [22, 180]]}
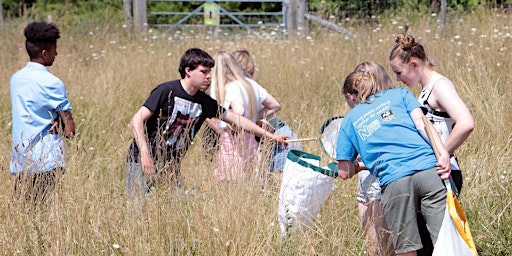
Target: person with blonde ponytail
{"points": [[385, 129], [241, 95], [369, 194]]}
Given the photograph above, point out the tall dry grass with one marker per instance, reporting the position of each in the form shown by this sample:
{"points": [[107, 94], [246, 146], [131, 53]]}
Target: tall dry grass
{"points": [[109, 72]]}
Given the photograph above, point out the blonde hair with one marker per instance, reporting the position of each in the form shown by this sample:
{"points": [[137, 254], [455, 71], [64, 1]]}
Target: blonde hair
{"points": [[227, 69], [406, 48], [246, 61], [378, 81]]}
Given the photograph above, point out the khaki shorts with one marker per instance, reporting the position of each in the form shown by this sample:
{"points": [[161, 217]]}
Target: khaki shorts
{"points": [[404, 198]]}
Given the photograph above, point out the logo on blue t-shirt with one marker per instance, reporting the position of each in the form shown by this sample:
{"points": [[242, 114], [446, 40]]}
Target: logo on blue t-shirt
{"points": [[387, 116]]}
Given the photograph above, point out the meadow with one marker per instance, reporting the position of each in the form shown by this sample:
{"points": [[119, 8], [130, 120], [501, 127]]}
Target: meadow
{"points": [[109, 71]]}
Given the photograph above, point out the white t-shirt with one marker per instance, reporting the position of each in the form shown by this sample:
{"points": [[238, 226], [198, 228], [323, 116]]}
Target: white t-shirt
{"points": [[236, 92]]}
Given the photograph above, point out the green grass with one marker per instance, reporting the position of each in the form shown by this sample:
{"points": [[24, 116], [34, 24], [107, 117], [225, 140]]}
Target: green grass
{"points": [[110, 72]]}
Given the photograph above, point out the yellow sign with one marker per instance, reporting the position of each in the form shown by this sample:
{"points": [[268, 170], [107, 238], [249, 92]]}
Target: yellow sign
{"points": [[211, 14]]}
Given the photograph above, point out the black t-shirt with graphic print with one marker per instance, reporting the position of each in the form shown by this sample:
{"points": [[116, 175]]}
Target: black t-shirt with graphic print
{"points": [[177, 117]]}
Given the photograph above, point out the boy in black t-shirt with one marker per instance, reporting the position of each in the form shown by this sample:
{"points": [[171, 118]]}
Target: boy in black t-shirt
{"points": [[168, 121]]}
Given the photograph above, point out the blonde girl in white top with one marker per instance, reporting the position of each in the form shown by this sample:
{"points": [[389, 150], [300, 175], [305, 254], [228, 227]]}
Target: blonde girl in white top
{"points": [[238, 93]]}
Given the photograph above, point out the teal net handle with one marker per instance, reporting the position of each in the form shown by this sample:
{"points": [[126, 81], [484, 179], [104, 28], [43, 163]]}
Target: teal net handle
{"points": [[296, 155]]}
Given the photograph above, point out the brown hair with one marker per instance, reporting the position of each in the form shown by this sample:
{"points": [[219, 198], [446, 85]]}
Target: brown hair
{"points": [[379, 76], [406, 48], [227, 69], [246, 61], [364, 83]]}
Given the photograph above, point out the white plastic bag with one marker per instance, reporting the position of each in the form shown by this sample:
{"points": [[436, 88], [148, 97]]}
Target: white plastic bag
{"points": [[454, 237], [304, 188]]}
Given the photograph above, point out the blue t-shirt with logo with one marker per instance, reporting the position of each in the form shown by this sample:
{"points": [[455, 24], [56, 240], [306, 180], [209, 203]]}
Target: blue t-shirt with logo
{"points": [[385, 136]]}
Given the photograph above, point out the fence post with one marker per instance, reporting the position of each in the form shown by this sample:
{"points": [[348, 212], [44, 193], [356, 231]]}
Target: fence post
{"points": [[443, 14], [139, 15], [302, 22], [128, 9], [296, 23], [1, 14], [291, 24]]}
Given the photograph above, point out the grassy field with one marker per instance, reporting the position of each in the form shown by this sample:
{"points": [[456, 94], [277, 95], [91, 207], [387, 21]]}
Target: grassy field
{"points": [[109, 72]]}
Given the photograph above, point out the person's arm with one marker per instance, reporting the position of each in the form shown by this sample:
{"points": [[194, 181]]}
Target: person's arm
{"points": [[139, 134], [249, 126], [237, 107], [69, 125], [212, 123], [270, 107], [443, 160], [347, 169], [446, 98], [63, 125]]}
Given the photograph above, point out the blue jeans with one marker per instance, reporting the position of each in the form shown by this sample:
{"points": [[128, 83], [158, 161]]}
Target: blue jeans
{"points": [[280, 153], [137, 185]]}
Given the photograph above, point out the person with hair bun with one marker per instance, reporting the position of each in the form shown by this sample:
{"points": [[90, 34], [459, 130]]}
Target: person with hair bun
{"points": [[445, 109], [385, 128]]}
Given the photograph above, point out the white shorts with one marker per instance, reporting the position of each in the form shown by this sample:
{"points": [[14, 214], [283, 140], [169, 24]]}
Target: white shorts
{"points": [[368, 188]]}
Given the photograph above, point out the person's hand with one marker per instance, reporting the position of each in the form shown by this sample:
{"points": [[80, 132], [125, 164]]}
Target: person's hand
{"points": [[280, 139], [54, 129], [146, 162], [443, 166]]}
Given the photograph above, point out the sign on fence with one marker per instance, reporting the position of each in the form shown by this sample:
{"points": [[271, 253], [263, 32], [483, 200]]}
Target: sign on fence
{"points": [[211, 14]]}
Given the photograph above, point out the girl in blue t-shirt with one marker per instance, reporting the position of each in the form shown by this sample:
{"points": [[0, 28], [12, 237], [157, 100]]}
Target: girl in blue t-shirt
{"points": [[369, 195], [386, 129]]}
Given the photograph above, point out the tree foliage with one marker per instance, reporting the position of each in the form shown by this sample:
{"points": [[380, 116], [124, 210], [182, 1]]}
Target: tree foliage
{"points": [[71, 12], [68, 12]]}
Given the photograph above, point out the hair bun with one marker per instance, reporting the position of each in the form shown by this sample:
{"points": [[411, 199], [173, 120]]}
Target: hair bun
{"points": [[406, 42]]}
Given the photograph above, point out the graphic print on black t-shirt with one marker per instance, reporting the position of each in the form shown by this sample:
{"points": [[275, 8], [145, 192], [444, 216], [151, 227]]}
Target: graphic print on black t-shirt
{"points": [[179, 130]]}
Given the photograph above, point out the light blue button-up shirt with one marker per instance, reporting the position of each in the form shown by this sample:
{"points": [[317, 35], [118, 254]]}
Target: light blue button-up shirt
{"points": [[36, 97]]}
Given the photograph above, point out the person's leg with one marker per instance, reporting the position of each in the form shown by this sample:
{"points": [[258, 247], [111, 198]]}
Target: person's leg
{"points": [[383, 234], [36, 188], [368, 228], [371, 215], [136, 186], [457, 179], [45, 184], [432, 194], [375, 229], [169, 176], [400, 208], [248, 154], [428, 247], [227, 157]]}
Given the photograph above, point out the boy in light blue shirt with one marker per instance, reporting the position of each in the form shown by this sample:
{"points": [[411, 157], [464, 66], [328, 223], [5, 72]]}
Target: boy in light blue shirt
{"points": [[40, 117]]}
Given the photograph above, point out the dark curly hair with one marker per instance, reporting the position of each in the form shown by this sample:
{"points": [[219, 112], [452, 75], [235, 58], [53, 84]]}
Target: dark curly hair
{"points": [[40, 35], [194, 57]]}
